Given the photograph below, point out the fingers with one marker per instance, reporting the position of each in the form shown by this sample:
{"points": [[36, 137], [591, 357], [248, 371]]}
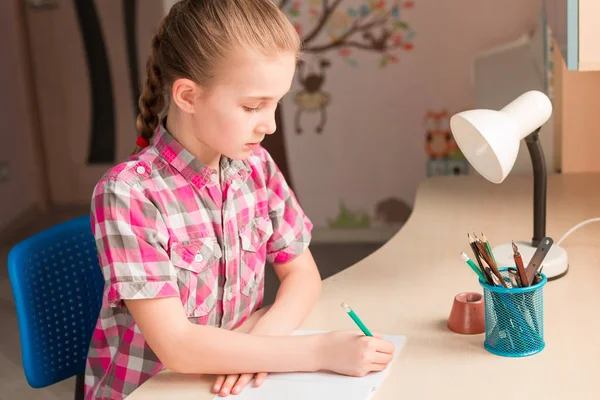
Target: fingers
{"points": [[260, 378], [218, 383], [383, 346], [382, 358], [228, 384], [234, 384], [377, 367], [241, 383]]}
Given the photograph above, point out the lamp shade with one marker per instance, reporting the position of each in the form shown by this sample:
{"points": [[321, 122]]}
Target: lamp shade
{"points": [[490, 139]]}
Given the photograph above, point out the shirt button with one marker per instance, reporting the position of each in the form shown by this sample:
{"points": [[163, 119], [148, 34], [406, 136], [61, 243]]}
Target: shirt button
{"points": [[140, 170], [198, 258], [214, 178]]}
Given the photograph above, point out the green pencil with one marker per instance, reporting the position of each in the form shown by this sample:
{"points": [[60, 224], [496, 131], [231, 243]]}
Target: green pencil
{"points": [[488, 248], [472, 265], [355, 318]]}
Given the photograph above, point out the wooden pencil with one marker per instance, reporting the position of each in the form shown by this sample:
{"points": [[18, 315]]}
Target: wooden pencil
{"points": [[490, 262], [477, 256], [488, 247]]}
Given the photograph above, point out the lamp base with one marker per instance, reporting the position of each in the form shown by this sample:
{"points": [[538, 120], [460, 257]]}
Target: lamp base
{"points": [[555, 264]]}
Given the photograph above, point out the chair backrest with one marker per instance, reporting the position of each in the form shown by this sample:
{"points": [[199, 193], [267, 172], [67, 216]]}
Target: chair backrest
{"points": [[57, 285]]}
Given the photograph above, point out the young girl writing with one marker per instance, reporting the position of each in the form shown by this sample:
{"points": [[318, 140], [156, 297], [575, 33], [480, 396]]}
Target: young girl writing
{"points": [[184, 226]]}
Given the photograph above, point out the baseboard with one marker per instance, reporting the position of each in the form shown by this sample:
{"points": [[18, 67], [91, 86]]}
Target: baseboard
{"points": [[353, 235]]}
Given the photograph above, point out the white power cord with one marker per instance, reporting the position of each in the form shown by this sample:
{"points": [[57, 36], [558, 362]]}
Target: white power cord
{"points": [[573, 229]]}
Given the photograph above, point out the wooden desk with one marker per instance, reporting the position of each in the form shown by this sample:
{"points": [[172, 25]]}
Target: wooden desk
{"points": [[408, 285]]}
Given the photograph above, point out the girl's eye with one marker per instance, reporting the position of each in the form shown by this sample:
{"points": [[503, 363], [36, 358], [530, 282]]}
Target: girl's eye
{"points": [[251, 109]]}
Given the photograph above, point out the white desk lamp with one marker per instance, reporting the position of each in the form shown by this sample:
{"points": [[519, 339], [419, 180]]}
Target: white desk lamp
{"points": [[490, 140]]}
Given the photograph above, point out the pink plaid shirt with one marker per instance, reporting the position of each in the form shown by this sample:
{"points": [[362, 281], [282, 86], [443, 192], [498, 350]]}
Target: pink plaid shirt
{"points": [[165, 226]]}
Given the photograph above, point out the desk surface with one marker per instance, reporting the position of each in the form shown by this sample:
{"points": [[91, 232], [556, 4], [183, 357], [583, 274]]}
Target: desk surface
{"points": [[408, 285]]}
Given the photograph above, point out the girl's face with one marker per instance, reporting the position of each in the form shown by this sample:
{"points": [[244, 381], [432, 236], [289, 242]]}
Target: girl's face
{"points": [[235, 114]]}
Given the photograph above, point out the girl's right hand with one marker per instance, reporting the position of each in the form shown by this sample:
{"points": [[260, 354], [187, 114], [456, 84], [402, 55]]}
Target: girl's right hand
{"points": [[354, 354]]}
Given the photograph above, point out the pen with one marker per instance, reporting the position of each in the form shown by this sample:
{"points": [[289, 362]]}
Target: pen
{"points": [[355, 318], [472, 265]]}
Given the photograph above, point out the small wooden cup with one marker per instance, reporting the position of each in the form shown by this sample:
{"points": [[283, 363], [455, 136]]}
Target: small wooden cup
{"points": [[467, 315]]}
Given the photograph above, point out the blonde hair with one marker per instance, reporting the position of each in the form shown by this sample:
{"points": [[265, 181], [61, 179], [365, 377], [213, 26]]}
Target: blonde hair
{"points": [[196, 36]]}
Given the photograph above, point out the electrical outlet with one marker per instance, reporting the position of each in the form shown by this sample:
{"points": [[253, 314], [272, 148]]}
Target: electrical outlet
{"points": [[4, 171]]}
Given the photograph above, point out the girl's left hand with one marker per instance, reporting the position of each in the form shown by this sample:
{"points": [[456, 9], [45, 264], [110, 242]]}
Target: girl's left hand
{"points": [[224, 385]]}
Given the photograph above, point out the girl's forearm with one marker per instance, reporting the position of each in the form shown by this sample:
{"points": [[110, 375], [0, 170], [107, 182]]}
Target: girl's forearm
{"points": [[209, 350], [249, 323], [295, 299]]}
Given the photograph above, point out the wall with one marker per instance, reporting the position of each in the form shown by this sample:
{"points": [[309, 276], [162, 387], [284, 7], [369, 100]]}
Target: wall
{"points": [[373, 146], [371, 154], [22, 190], [504, 73]]}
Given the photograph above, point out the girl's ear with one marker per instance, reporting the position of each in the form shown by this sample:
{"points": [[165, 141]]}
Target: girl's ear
{"points": [[185, 94]]}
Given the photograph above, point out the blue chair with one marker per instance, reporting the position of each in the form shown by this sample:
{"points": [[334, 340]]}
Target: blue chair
{"points": [[57, 285]]}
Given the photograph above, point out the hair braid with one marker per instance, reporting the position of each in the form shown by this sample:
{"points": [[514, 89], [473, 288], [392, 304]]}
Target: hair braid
{"points": [[152, 99]]}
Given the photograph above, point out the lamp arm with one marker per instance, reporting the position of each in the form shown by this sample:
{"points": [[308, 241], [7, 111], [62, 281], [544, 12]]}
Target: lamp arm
{"points": [[539, 186]]}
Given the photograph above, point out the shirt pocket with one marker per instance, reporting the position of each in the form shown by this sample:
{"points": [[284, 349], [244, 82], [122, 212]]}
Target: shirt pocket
{"points": [[253, 239], [197, 264]]}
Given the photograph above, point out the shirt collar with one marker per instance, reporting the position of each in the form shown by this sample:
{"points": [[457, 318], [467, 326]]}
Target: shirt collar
{"points": [[192, 168]]}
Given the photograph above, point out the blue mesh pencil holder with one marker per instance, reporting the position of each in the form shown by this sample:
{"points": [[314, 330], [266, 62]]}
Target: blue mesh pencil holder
{"points": [[514, 317]]}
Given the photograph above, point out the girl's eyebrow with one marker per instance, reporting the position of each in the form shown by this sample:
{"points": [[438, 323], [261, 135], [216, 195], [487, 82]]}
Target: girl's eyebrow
{"points": [[265, 98]]}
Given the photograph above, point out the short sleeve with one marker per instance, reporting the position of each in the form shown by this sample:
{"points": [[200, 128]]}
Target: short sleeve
{"points": [[291, 227], [131, 239]]}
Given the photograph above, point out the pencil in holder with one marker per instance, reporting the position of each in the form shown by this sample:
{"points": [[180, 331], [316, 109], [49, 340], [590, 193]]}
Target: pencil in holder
{"points": [[514, 318]]}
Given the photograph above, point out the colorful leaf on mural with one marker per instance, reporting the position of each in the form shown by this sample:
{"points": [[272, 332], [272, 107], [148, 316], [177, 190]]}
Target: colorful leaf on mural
{"points": [[298, 28], [337, 25], [314, 14], [345, 52], [364, 10], [401, 25]]}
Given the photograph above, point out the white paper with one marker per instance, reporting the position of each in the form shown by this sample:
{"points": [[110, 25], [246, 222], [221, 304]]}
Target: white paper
{"points": [[319, 385]]}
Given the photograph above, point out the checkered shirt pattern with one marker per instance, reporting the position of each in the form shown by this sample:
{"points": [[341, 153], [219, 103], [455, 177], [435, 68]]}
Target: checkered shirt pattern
{"points": [[166, 225]]}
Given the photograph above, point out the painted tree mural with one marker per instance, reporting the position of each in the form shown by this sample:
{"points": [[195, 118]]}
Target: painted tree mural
{"points": [[102, 129], [102, 149], [375, 26]]}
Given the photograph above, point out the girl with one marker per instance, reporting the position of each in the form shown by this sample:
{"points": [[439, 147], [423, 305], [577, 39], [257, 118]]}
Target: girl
{"points": [[184, 226]]}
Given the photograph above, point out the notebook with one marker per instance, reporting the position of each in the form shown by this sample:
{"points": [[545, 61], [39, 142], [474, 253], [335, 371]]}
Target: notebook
{"points": [[319, 385]]}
